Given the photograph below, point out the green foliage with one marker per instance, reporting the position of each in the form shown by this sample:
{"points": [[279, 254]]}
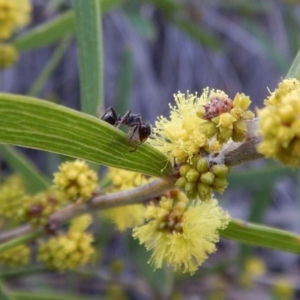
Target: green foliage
{"points": [[38, 124]]}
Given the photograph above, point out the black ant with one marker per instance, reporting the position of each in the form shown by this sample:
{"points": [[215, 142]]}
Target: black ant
{"points": [[139, 130]]}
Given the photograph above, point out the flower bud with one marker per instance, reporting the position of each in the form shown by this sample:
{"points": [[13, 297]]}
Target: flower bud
{"points": [[207, 178]]}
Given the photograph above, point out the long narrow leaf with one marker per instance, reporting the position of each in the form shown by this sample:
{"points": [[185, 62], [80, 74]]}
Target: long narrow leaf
{"points": [[34, 180], [38, 124], [50, 32], [262, 236], [90, 52], [294, 71]]}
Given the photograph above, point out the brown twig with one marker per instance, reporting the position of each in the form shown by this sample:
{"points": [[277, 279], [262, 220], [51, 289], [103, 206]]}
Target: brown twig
{"points": [[234, 154]]}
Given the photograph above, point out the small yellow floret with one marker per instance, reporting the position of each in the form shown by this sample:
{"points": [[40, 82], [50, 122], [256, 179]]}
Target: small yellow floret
{"points": [[180, 235], [14, 14], [76, 180], [8, 55], [279, 123]]}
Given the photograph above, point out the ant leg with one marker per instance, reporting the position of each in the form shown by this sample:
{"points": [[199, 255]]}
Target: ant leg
{"points": [[123, 119], [133, 131]]}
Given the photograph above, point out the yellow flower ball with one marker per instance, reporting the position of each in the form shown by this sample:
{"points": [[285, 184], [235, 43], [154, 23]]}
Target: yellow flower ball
{"points": [[76, 181], [279, 124], [8, 55], [180, 235], [14, 14]]}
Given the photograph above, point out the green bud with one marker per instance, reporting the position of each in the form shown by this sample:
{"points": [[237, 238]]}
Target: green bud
{"points": [[200, 111], [192, 175], [181, 181], [209, 128], [204, 191], [220, 182], [194, 161], [202, 165], [184, 169], [207, 178], [191, 190], [220, 170]]}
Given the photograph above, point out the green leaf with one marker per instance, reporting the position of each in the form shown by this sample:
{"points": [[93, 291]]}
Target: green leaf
{"points": [[176, 13], [50, 32], [294, 71], [42, 125], [262, 236], [125, 82], [156, 278], [49, 67], [3, 294], [22, 239], [258, 178], [46, 34], [34, 180], [90, 52]]}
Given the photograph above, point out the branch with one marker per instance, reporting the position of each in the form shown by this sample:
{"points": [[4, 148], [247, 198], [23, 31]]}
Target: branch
{"points": [[233, 154], [138, 195]]}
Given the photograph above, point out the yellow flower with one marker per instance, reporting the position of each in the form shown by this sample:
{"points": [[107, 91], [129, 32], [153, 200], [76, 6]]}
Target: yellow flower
{"points": [[14, 14], [126, 216], [180, 137], [279, 123], [181, 235], [67, 252], [81, 223], [12, 193], [8, 55], [284, 289], [76, 180], [36, 209], [15, 257], [198, 122]]}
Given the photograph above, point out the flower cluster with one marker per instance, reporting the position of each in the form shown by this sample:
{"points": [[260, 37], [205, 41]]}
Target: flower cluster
{"points": [[14, 15], [67, 252], [279, 124], [36, 209], [12, 193], [199, 178], [15, 257], [76, 181], [8, 55], [201, 123], [70, 250], [179, 233], [199, 128], [130, 215], [226, 118]]}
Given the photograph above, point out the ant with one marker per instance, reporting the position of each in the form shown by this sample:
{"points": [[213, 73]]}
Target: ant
{"points": [[139, 130]]}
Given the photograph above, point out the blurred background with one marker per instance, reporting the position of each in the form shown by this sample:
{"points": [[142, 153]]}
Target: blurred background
{"points": [[153, 49]]}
